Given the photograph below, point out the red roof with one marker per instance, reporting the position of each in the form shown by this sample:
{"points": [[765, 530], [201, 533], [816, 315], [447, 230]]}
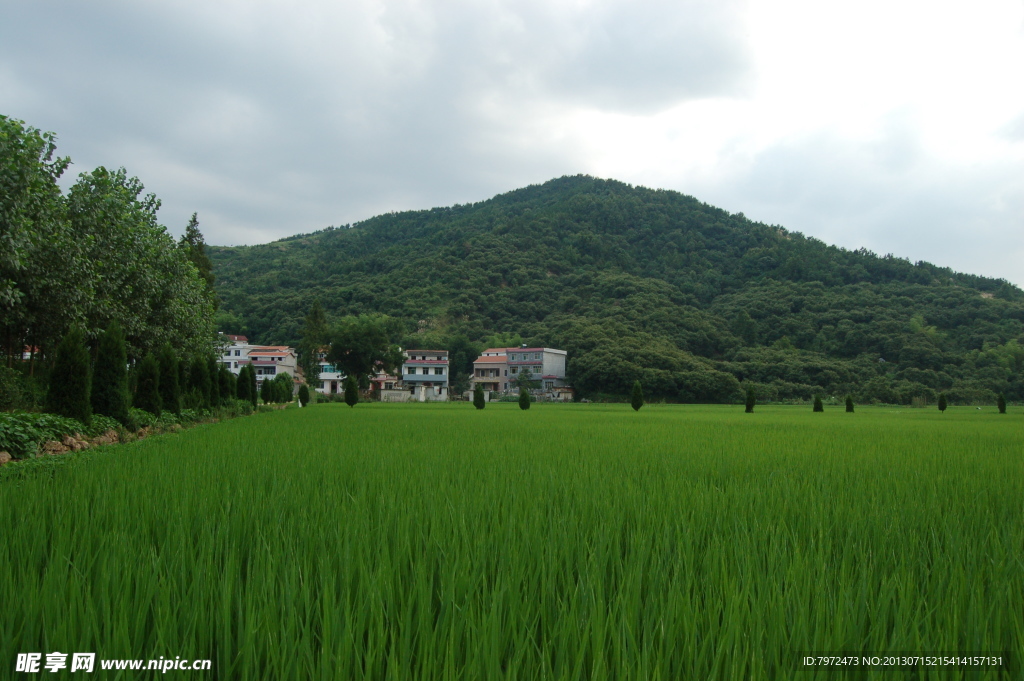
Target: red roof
{"points": [[236, 338], [493, 359], [419, 352]]}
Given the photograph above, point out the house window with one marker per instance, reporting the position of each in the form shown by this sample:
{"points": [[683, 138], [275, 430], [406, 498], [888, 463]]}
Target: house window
{"points": [[536, 355], [439, 371], [512, 358], [322, 384], [514, 370], [411, 370], [238, 353], [236, 365]]}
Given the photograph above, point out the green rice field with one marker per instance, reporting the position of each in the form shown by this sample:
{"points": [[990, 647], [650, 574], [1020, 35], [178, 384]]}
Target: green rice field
{"points": [[419, 541]]}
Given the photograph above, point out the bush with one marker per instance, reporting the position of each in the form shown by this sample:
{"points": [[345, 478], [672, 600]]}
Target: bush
{"points": [[101, 424], [351, 391], [817, 404], [524, 399], [303, 395], [242, 385], [1001, 403], [750, 400], [12, 393], [21, 433], [478, 396], [140, 418], [70, 379], [849, 404], [638, 396], [942, 402], [170, 387]]}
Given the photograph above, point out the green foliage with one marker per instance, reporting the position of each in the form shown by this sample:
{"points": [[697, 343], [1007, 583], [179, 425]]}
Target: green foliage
{"points": [[655, 286], [351, 391], [751, 400], [242, 384], [478, 397], [253, 393], [70, 379], [942, 402], [195, 247], [143, 418], [12, 393], [303, 394], [227, 382], [284, 387], [637, 400], [147, 389], [267, 390], [818, 406], [199, 382], [213, 372], [524, 399], [22, 433], [315, 335], [1001, 403], [849, 404], [361, 346], [170, 389], [110, 395]]}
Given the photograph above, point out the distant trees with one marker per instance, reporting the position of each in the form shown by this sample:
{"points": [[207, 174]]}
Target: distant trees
{"points": [[818, 406], [351, 391], [193, 244], [849, 404], [750, 400], [361, 346], [478, 397], [147, 385], [638, 396], [70, 381], [110, 376], [267, 391], [942, 402]]}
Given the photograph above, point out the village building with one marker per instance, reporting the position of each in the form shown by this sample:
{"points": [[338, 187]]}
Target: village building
{"points": [[425, 374], [267, 360], [500, 370]]}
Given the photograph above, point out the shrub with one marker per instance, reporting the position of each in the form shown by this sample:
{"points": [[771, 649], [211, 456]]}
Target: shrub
{"points": [[140, 418], [638, 396], [284, 388], [1001, 403], [303, 395], [478, 396], [524, 399], [267, 391], [227, 384], [21, 433], [213, 370], [170, 387], [101, 424], [849, 404], [818, 406], [147, 390], [351, 391], [110, 376], [199, 381], [70, 380], [242, 384], [750, 400], [942, 402], [12, 394]]}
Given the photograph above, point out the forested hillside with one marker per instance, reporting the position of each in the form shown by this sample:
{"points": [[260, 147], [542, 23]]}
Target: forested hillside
{"points": [[646, 284]]}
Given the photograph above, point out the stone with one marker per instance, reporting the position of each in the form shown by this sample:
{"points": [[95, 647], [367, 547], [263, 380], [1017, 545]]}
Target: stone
{"points": [[4, 458]]}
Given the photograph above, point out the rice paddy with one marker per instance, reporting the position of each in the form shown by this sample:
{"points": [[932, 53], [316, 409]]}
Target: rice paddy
{"points": [[409, 541]]}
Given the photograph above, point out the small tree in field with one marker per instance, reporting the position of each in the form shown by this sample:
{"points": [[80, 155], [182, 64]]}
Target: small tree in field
{"points": [[147, 389], [110, 376], [942, 402], [524, 398], [638, 396], [1001, 403], [351, 391], [303, 395], [750, 401], [70, 379], [267, 391], [849, 404], [818, 406], [478, 396]]}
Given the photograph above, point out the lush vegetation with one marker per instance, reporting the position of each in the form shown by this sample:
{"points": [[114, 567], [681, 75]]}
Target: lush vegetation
{"points": [[645, 285], [573, 542]]}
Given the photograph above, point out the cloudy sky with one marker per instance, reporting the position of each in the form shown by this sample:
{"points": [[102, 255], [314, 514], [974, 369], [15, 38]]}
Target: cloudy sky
{"points": [[895, 125]]}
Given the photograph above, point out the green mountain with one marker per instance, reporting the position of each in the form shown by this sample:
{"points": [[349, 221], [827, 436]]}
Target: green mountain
{"points": [[649, 285]]}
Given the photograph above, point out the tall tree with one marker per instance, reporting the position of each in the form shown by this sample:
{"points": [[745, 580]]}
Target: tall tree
{"points": [[638, 396], [242, 384], [199, 382], [213, 369], [942, 402], [267, 391], [361, 346], [110, 376], [849, 404], [1001, 403], [227, 384], [195, 246], [147, 390], [751, 400], [303, 395], [253, 391], [170, 389], [315, 335], [70, 382]]}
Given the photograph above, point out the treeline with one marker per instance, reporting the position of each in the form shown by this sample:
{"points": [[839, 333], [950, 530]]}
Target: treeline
{"points": [[639, 284]]}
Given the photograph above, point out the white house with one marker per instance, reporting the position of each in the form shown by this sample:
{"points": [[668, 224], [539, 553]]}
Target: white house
{"points": [[267, 360]]}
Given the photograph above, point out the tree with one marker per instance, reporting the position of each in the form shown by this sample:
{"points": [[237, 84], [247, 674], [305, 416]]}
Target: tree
{"points": [[524, 398], [227, 384], [315, 335], [284, 385], [638, 396], [195, 247], [849, 404], [361, 346], [942, 402], [147, 389], [199, 382], [1001, 403], [303, 395], [110, 376], [251, 379], [524, 380], [817, 404], [170, 388], [478, 396], [750, 400], [242, 385], [213, 371], [351, 391], [70, 382], [267, 391]]}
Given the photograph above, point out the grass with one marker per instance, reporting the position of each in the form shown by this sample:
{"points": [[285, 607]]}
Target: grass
{"points": [[565, 542]]}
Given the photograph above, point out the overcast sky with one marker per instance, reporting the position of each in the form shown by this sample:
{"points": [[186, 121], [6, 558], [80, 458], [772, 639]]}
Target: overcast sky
{"points": [[895, 125]]}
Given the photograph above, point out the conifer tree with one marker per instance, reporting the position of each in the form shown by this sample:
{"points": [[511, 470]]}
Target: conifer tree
{"points": [[315, 335], [227, 384], [524, 398], [199, 381], [242, 385], [70, 379], [638, 396], [110, 395], [1001, 403], [849, 404], [253, 393], [170, 388], [351, 391], [147, 389], [818, 406], [195, 247], [303, 395], [750, 401], [213, 370], [267, 391], [478, 396], [942, 402]]}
